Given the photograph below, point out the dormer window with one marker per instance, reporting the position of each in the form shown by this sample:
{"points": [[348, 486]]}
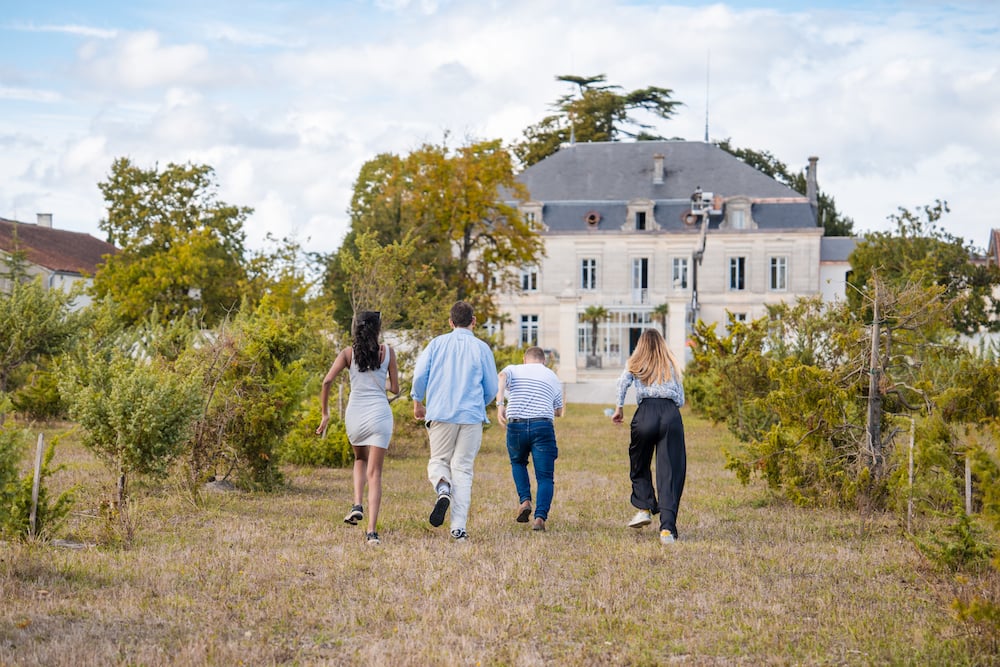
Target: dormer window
{"points": [[639, 216], [738, 214], [531, 212]]}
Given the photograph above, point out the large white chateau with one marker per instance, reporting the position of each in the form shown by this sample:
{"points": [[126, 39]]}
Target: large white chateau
{"points": [[632, 226]]}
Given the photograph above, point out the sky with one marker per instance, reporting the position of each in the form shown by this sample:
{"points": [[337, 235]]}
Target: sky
{"points": [[287, 99]]}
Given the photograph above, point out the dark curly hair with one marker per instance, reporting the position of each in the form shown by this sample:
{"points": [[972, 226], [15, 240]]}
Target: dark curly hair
{"points": [[367, 325]]}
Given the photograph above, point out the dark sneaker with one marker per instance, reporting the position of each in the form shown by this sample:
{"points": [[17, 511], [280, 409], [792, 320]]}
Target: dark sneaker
{"points": [[356, 514], [372, 538], [440, 509], [459, 535], [524, 513]]}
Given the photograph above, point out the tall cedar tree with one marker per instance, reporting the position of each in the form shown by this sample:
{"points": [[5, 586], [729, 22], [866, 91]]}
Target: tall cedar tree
{"points": [[594, 112]]}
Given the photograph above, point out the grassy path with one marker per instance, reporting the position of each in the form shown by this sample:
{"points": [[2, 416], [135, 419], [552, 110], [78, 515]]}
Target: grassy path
{"points": [[278, 579]]}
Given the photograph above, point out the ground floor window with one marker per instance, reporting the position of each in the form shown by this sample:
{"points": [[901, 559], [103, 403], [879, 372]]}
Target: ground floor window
{"points": [[529, 330]]}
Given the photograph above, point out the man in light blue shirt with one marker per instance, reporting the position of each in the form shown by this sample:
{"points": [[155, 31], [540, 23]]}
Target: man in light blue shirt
{"points": [[455, 378]]}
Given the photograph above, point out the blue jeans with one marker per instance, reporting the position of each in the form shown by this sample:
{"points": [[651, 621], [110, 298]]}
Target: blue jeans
{"points": [[536, 438]]}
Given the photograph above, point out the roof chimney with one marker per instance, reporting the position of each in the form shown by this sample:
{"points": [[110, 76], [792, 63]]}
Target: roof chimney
{"points": [[658, 169], [45, 220], [811, 191]]}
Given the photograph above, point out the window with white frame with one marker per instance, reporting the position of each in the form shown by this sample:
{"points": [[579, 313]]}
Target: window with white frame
{"points": [[640, 279], [529, 330], [778, 279], [679, 275], [588, 273], [531, 213], [529, 279], [739, 212], [737, 273]]}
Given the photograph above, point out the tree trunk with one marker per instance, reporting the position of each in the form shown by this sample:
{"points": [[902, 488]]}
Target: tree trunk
{"points": [[120, 491], [874, 392]]}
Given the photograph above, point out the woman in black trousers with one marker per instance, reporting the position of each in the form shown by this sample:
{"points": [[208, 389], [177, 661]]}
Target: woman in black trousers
{"points": [[657, 429]]}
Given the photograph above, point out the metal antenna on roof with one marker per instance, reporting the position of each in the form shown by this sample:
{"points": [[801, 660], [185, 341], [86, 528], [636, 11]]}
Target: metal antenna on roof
{"points": [[708, 56]]}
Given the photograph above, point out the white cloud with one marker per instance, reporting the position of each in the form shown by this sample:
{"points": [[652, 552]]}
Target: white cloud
{"points": [[139, 61], [78, 30], [29, 95]]}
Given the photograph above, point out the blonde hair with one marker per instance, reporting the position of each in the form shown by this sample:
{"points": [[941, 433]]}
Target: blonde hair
{"points": [[652, 361]]}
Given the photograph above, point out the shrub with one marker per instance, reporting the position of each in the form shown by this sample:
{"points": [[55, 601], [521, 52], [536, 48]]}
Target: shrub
{"points": [[303, 447], [48, 515]]}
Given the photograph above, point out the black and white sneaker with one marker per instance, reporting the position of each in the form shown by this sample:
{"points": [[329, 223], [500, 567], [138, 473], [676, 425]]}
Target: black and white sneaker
{"points": [[459, 535], [372, 538], [440, 509], [356, 514]]}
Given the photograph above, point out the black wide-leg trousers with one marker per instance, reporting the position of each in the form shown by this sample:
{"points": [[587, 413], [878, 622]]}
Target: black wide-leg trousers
{"points": [[657, 429]]}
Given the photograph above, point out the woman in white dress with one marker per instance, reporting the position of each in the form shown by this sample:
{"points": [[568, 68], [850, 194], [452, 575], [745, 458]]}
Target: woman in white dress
{"points": [[368, 419]]}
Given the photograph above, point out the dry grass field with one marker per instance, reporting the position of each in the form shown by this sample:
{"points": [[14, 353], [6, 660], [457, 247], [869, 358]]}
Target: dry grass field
{"points": [[278, 579]]}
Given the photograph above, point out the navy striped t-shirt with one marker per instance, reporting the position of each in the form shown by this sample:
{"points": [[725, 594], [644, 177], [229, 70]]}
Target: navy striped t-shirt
{"points": [[533, 390]]}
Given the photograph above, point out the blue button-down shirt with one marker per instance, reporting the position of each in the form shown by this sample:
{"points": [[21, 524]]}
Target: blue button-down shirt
{"points": [[455, 378]]}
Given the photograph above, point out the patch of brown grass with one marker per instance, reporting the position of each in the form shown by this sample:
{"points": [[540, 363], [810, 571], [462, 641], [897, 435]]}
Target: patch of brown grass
{"points": [[259, 579]]}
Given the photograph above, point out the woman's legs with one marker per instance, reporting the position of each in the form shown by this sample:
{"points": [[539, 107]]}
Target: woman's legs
{"points": [[376, 457], [644, 435], [671, 466], [360, 472]]}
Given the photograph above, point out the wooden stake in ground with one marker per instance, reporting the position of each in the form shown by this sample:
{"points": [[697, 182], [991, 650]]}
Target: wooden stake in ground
{"points": [[35, 483]]}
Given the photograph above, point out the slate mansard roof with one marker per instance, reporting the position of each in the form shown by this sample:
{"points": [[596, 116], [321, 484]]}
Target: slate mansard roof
{"points": [[57, 250], [604, 177]]}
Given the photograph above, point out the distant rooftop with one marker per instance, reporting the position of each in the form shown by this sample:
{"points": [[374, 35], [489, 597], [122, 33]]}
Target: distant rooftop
{"points": [[55, 249]]}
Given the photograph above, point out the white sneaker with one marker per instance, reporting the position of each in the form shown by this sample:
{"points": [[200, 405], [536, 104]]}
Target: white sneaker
{"points": [[666, 537], [641, 518]]}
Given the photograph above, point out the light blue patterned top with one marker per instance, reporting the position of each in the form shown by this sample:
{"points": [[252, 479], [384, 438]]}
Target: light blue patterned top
{"points": [[671, 389]]}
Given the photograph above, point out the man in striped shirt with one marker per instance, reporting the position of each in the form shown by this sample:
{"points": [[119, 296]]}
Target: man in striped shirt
{"points": [[534, 397]]}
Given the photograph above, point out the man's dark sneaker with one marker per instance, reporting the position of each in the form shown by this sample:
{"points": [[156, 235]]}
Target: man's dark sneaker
{"points": [[459, 535], [440, 509]]}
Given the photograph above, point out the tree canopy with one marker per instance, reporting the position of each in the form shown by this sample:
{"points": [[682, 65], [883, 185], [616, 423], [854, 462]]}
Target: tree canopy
{"points": [[453, 207], [181, 248], [596, 111], [919, 251]]}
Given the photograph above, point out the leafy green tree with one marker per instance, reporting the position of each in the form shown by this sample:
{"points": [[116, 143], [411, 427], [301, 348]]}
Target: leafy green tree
{"points": [[135, 410], [596, 111], [35, 323], [181, 248], [918, 251], [819, 415], [833, 222], [448, 205], [251, 380], [285, 272]]}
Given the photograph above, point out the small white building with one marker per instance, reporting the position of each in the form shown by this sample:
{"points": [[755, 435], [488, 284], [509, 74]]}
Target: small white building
{"points": [[630, 227], [62, 258]]}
